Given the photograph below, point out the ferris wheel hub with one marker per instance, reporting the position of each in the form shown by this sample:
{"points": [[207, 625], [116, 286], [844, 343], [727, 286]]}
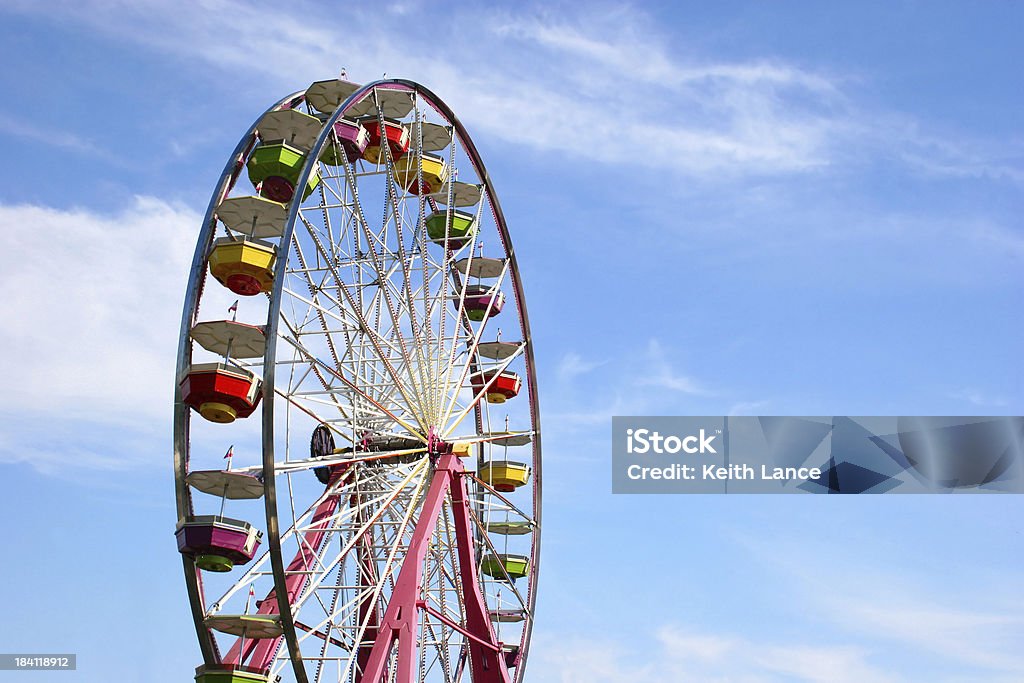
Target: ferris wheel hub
{"points": [[436, 445]]}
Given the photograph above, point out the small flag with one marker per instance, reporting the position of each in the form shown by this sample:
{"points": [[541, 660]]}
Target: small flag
{"points": [[234, 309], [231, 451], [252, 591]]}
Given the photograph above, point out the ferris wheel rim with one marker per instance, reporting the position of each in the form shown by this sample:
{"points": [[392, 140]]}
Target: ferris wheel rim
{"points": [[228, 177]]}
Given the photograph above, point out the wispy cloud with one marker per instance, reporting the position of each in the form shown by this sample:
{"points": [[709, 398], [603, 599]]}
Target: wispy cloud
{"points": [[747, 408], [856, 623], [953, 155], [971, 630], [91, 305], [573, 365], [61, 139], [686, 115], [683, 655], [978, 398], [604, 85], [588, 416], [975, 637], [662, 374]]}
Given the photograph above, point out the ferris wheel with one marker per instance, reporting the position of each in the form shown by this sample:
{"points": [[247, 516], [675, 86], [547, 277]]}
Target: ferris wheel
{"points": [[356, 431]]}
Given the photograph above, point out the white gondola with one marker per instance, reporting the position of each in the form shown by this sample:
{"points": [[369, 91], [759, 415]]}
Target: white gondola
{"points": [[481, 266], [226, 484], [256, 626], [257, 217], [222, 337], [291, 125]]}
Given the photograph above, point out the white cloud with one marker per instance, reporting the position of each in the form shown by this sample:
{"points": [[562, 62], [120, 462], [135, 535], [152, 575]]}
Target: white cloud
{"points": [[585, 418], [978, 398], [973, 647], [974, 637], [681, 655], [607, 84], [607, 87], [59, 138], [662, 374], [974, 630], [91, 311], [747, 408], [631, 98], [953, 156], [632, 53], [828, 664], [573, 365], [631, 384]]}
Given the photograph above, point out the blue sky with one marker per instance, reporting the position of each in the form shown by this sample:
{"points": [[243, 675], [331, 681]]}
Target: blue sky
{"points": [[747, 208]]}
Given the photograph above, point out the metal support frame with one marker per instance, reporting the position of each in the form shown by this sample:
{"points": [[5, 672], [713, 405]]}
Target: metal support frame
{"points": [[401, 620], [261, 653]]}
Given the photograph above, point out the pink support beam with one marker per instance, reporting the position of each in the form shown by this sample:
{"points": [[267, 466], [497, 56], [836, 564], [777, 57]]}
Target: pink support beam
{"points": [[369, 608], [401, 619], [260, 653], [485, 659]]}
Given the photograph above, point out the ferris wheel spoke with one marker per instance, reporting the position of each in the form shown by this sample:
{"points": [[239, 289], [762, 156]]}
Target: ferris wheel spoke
{"points": [[359, 325], [400, 385], [393, 215], [511, 507], [494, 551], [403, 607], [381, 358], [298, 327], [482, 391], [313, 368], [382, 582], [474, 343], [291, 466], [256, 570], [352, 386], [298, 574], [356, 537], [463, 327], [444, 269], [292, 402], [382, 280], [441, 599], [314, 290]]}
